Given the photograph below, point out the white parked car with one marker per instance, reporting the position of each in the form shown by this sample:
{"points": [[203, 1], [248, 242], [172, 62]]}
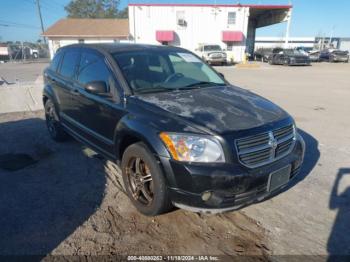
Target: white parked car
{"points": [[212, 54]]}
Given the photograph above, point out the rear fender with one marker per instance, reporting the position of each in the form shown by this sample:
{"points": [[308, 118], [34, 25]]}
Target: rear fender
{"points": [[48, 93]]}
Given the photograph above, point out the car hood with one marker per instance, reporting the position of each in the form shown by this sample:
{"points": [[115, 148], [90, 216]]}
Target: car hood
{"points": [[220, 109]]}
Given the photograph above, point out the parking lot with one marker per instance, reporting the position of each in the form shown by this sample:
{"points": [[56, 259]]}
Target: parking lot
{"points": [[71, 201]]}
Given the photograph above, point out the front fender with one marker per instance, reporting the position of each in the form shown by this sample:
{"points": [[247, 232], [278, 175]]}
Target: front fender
{"points": [[143, 130]]}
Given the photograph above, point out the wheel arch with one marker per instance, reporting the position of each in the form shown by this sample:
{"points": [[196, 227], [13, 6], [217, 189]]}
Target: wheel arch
{"points": [[130, 131]]}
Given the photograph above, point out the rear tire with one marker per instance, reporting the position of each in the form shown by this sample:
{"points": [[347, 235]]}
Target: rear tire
{"points": [[144, 181], [53, 124]]}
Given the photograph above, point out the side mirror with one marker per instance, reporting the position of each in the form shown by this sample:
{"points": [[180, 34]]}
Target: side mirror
{"points": [[222, 75], [96, 87]]}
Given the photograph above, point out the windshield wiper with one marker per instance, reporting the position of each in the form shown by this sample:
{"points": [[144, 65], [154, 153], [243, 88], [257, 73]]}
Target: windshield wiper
{"points": [[158, 89], [152, 90], [201, 84]]}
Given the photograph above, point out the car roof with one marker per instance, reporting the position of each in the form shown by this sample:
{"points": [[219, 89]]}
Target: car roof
{"points": [[122, 47]]}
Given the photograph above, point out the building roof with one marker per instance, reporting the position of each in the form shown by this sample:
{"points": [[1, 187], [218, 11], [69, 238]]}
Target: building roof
{"points": [[214, 5], [89, 28]]}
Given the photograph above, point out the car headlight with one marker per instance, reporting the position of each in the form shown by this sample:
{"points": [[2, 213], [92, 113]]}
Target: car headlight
{"points": [[193, 148]]}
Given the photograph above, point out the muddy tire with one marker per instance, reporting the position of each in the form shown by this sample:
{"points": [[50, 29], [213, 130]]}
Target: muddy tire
{"points": [[144, 181], [53, 124]]}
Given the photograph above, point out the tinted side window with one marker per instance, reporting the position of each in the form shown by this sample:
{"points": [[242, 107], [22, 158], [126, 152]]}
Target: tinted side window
{"points": [[56, 61], [69, 63], [93, 68]]}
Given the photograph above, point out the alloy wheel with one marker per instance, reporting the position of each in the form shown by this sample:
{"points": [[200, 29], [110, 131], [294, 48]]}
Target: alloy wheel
{"points": [[140, 181]]}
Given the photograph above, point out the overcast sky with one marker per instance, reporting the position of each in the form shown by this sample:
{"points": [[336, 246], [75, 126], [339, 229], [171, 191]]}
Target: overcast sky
{"points": [[19, 19]]}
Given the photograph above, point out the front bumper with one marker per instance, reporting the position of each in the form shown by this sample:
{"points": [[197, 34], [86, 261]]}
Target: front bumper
{"points": [[340, 59], [231, 184], [306, 62], [216, 60]]}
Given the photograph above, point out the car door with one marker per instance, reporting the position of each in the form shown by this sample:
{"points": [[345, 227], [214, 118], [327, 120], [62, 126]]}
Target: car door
{"points": [[280, 57], [64, 82], [324, 55], [96, 116]]}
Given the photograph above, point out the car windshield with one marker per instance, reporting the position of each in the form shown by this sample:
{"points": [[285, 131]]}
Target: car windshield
{"points": [[212, 48], [165, 70]]}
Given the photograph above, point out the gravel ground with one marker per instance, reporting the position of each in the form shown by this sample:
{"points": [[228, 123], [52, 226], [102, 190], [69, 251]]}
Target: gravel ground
{"points": [[22, 72]]}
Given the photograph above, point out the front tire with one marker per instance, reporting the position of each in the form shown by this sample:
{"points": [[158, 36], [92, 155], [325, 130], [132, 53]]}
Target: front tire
{"points": [[53, 124], [286, 62], [144, 181]]}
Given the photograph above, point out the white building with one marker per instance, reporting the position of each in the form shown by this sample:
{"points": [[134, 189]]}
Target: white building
{"points": [[75, 30], [188, 25]]}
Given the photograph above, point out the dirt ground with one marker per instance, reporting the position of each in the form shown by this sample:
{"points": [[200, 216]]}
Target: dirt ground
{"points": [[71, 202]]}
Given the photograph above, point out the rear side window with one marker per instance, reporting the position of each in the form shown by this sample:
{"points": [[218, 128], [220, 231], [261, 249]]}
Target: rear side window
{"points": [[56, 61], [93, 68], [69, 63]]}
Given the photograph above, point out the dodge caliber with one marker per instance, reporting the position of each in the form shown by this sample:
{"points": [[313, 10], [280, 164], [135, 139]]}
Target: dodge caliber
{"points": [[182, 135]]}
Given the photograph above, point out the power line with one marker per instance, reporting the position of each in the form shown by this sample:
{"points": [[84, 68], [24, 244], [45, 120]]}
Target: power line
{"points": [[16, 26], [10, 23]]}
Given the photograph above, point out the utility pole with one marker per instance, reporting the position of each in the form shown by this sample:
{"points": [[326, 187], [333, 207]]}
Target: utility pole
{"points": [[286, 42], [330, 39], [41, 18]]}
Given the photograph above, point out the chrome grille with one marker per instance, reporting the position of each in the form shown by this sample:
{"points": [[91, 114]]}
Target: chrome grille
{"points": [[264, 148]]}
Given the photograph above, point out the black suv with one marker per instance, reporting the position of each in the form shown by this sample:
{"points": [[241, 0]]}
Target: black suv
{"points": [[182, 135], [288, 57]]}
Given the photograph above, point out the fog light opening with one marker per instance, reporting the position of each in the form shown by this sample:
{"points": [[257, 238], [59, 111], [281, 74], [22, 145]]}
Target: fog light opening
{"points": [[206, 195]]}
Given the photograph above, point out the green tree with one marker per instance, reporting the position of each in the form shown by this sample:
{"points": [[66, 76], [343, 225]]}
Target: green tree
{"points": [[123, 13], [95, 9]]}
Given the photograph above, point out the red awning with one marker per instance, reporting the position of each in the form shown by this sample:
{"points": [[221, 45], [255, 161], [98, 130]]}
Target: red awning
{"points": [[165, 36], [232, 36]]}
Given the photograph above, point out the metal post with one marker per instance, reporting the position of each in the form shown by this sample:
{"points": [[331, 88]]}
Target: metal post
{"points": [[41, 19], [288, 28], [330, 39], [134, 24]]}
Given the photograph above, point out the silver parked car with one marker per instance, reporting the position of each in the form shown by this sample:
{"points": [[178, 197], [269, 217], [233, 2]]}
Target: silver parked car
{"points": [[212, 54]]}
